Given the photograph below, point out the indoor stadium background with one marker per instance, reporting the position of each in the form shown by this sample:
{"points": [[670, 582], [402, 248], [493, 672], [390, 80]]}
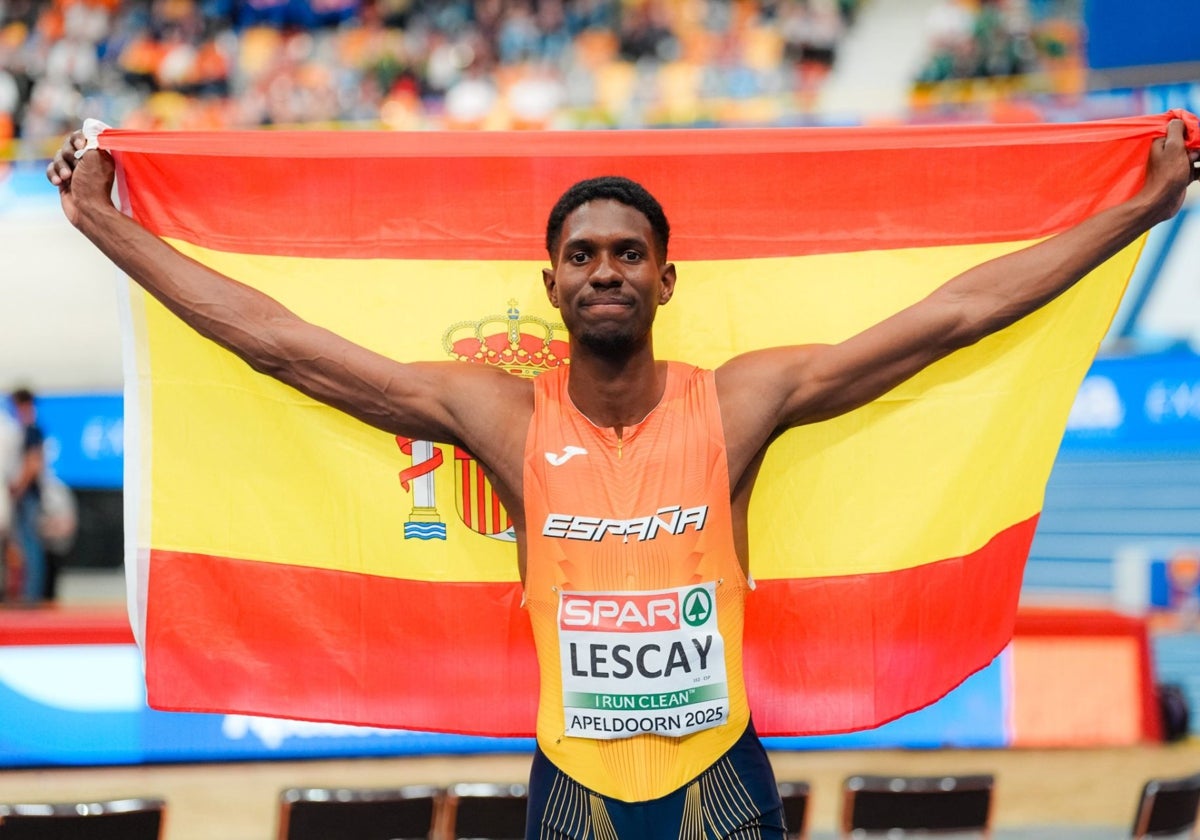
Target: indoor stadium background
{"points": [[1069, 718]]}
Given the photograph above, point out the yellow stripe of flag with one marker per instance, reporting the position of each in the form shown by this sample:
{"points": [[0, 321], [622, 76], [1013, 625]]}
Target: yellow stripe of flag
{"points": [[332, 486]]}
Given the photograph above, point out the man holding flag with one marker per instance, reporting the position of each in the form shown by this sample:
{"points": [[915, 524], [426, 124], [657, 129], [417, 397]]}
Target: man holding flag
{"points": [[628, 478]]}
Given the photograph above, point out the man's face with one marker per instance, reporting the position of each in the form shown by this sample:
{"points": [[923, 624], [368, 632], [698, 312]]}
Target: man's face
{"points": [[607, 279]]}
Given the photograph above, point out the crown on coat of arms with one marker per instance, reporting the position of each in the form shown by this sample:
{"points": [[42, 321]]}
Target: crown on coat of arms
{"points": [[525, 345]]}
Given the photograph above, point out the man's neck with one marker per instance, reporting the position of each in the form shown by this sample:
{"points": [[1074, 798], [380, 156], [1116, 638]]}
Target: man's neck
{"points": [[615, 392]]}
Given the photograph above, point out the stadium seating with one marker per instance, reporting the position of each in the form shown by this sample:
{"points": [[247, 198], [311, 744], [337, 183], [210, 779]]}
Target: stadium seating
{"points": [[795, 796], [892, 805], [403, 813], [1167, 807], [193, 65], [492, 811], [118, 819]]}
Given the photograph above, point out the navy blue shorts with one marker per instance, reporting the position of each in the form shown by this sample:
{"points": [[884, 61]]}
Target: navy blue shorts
{"points": [[735, 799]]}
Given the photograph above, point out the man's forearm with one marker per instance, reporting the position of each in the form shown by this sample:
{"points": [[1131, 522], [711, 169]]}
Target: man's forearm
{"points": [[261, 331], [998, 293], [230, 313], [1004, 290]]}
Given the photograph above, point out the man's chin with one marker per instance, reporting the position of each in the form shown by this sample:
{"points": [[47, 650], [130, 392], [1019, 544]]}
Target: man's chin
{"points": [[607, 342]]}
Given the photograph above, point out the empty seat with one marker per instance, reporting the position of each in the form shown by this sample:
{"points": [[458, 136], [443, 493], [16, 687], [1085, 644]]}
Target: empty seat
{"points": [[114, 819], [795, 808], [404, 813], [894, 805], [485, 811], [1167, 807]]}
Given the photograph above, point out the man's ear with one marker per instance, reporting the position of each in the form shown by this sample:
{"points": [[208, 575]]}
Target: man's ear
{"points": [[551, 286], [667, 288]]}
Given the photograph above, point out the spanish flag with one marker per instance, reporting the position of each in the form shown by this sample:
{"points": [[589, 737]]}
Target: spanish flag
{"points": [[286, 560]]}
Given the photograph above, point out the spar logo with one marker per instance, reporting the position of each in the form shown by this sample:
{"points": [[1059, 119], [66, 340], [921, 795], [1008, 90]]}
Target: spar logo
{"points": [[632, 612], [635, 612], [697, 607], [522, 345]]}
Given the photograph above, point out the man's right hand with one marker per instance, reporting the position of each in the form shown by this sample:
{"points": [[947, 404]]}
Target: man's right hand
{"points": [[84, 181], [1169, 171]]}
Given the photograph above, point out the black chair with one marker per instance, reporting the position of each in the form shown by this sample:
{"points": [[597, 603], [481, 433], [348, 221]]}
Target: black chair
{"points": [[795, 808], [1168, 807], [485, 812], [114, 819], [404, 813], [895, 805]]}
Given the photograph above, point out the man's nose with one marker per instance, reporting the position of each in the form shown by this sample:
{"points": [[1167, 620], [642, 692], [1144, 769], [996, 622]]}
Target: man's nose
{"points": [[606, 272]]}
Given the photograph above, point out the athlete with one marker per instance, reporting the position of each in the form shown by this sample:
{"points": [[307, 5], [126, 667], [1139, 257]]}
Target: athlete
{"points": [[622, 436]]}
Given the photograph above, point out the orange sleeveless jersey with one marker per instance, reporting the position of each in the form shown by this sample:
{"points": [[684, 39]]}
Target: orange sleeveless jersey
{"points": [[628, 542]]}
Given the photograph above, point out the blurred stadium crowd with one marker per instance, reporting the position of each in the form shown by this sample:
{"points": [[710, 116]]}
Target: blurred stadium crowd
{"points": [[997, 39], [196, 64]]}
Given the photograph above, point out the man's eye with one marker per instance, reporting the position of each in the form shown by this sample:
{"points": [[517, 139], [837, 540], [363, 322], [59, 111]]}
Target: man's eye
{"points": [[578, 257], [633, 256]]}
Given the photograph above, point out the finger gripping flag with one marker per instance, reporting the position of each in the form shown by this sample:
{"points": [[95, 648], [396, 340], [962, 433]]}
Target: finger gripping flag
{"points": [[290, 561]]}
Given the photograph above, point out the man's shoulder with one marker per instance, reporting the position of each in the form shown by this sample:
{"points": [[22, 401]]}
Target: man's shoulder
{"points": [[483, 393]]}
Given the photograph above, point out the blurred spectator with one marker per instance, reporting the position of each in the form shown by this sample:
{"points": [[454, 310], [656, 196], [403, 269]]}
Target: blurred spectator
{"points": [[408, 63], [10, 458], [25, 490], [58, 526]]}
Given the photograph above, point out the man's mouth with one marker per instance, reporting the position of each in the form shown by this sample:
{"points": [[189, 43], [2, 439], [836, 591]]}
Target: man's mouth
{"points": [[607, 301]]}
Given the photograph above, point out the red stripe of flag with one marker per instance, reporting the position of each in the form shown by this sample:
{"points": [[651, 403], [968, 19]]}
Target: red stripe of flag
{"points": [[478, 490], [885, 189], [265, 667], [464, 470]]}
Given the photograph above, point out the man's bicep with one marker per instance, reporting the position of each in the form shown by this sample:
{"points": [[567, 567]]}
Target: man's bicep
{"points": [[838, 378], [793, 385], [415, 399]]}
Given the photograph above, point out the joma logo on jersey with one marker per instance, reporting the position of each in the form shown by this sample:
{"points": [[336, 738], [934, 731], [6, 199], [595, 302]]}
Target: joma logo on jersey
{"points": [[631, 613], [671, 520]]}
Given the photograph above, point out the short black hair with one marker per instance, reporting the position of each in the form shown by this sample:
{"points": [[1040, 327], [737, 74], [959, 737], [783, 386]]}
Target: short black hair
{"points": [[22, 396], [614, 188]]}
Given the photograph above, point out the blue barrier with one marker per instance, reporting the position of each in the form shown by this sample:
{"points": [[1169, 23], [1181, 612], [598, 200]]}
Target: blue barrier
{"points": [[1137, 405], [85, 438], [110, 723], [1124, 34]]}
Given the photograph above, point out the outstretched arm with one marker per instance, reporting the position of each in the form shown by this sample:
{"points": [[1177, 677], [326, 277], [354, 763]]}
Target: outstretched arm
{"points": [[410, 399], [796, 385]]}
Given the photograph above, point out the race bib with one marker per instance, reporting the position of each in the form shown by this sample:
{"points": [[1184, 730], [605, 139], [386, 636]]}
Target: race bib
{"points": [[642, 662]]}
